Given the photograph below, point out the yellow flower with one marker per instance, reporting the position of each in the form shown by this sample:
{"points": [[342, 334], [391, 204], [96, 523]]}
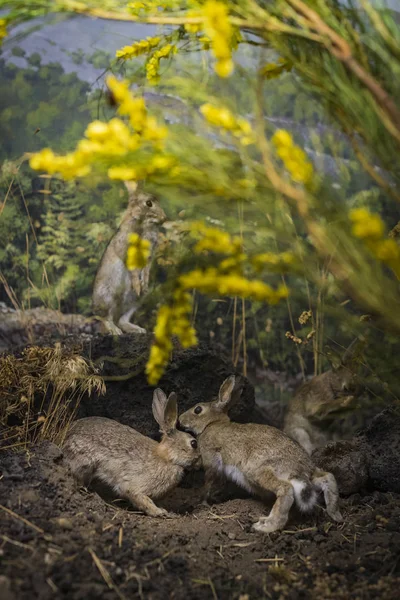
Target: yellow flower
{"points": [[171, 320], [293, 157], [219, 29], [224, 67], [211, 281], [366, 225], [136, 7], [214, 240], [142, 47], [3, 29], [282, 138], [370, 228], [123, 173], [387, 251], [193, 27], [224, 119], [162, 163], [138, 252], [106, 141], [153, 63], [276, 262]]}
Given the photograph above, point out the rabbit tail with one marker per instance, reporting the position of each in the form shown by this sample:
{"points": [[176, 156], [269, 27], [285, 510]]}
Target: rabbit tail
{"points": [[305, 494]]}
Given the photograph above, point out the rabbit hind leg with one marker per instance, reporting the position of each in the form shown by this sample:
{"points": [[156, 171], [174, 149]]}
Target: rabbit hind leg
{"points": [[126, 326], [326, 483], [146, 504], [284, 492]]}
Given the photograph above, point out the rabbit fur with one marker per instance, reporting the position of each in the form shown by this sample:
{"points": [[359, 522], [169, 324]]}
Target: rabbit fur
{"points": [[137, 468], [323, 397], [116, 289], [259, 458]]}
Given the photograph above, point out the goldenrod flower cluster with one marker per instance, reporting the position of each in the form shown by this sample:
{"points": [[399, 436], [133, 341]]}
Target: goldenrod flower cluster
{"points": [[138, 252], [276, 262], [151, 6], [371, 229], [272, 70], [214, 240], [219, 29], [142, 47], [106, 142], [135, 109], [366, 225], [136, 7], [224, 280], [226, 121], [194, 27], [294, 159], [153, 64], [158, 163], [172, 320], [3, 29], [211, 281]]}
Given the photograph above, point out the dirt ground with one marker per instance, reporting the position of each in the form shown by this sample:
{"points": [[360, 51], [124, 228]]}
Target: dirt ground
{"points": [[58, 541]]}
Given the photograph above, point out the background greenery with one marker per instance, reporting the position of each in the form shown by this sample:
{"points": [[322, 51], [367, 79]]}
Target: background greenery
{"points": [[53, 233]]}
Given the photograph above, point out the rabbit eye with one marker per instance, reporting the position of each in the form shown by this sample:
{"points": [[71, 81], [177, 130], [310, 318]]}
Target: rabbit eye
{"points": [[193, 443], [149, 203], [197, 410]]}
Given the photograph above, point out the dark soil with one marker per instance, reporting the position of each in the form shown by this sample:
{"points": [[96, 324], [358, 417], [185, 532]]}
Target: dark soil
{"points": [[195, 374], [63, 542]]}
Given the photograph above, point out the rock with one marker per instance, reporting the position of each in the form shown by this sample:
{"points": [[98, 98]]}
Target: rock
{"points": [[371, 460], [382, 439], [346, 460], [5, 587], [28, 496], [64, 523], [20, 327]]}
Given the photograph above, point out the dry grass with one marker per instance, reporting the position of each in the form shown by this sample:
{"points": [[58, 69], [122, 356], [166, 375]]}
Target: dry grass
{"points": [[40, 391]]}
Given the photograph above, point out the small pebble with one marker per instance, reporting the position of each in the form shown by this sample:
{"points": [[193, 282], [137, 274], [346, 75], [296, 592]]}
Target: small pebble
{"points": [[64, 523]]}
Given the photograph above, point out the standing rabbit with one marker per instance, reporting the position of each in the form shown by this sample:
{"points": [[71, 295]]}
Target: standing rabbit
{"points": [[260, 459], [116, 289], [326, 395], [136, 467]]}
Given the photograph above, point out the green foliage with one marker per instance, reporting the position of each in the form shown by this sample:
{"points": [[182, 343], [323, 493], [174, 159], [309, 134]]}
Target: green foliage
{"points": [[37, 106], [336, 106]]}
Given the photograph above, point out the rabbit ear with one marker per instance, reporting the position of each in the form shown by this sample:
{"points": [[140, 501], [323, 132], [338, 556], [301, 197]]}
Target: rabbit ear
{"points": [[352, 350], [171, 413], [225, 393], [334, 359], [159, 403], [131, 186]]}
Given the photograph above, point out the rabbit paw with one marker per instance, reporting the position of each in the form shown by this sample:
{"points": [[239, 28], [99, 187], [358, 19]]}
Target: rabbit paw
{"points": [[160, 512], [165, 514], [266, 525], [336, 516], [171, 515]]}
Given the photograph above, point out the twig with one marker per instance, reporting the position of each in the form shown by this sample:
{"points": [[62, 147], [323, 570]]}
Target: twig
{"points": [[16, 543], [105, 574], [16, 516]]}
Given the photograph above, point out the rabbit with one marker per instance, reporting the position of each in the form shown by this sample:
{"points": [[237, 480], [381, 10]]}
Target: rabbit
{"points": [[325, 396], [138, 468], [259, 458], [116, 289]]}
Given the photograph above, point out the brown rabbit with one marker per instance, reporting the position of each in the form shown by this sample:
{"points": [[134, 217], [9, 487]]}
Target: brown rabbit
{"points": [[116, 289], [136, 467], [259, 458], [328, 394]]}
